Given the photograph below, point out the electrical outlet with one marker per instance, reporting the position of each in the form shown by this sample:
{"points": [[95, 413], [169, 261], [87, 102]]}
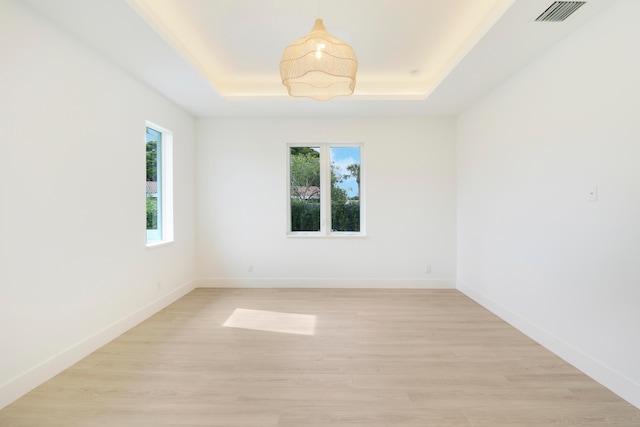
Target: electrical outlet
{"points": [[428, 270], [250, 268]]}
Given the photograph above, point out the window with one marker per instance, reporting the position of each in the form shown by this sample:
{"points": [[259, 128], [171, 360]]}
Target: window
{"points": [[325, 189], [159, 185]]}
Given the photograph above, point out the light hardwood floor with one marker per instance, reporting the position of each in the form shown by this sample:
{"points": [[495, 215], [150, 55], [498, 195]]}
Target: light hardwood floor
{"points": [[373, 358]]}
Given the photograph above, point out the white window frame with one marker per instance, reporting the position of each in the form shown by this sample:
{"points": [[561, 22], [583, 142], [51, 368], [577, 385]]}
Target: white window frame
{"points": [[165, 211], [325, 191]]}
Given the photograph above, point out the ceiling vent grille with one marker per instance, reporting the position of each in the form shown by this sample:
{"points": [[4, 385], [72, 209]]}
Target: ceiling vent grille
{"points": [[559, 11]]}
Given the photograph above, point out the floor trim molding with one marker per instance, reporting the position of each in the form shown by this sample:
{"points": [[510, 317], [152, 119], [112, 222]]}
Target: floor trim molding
{"points": [[27, 381], [324, 283], [608, 377]]}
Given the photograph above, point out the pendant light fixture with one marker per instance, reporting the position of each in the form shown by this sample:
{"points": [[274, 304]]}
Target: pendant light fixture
{"points": [[319, 66]]}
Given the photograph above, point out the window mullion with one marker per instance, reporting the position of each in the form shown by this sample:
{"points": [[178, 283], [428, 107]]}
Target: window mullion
{"points": [[325, 199]]}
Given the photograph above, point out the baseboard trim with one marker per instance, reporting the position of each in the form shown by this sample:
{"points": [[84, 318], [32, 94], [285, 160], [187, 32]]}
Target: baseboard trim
{"points": [[613, 380], [27, 381], [324, 283]]}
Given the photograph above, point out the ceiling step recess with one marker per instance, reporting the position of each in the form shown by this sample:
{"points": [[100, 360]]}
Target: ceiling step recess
{"points": [[559, 11]]}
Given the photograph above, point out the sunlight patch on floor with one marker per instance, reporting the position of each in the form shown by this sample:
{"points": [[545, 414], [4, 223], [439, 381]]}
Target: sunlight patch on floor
{"points": [[272, 321]]}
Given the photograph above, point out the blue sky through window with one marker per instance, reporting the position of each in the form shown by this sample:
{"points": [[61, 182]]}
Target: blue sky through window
{"points": [[343, 157]]}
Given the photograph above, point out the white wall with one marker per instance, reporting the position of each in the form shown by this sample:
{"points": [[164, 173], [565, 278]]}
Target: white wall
{"points": [[409, 167], [531, 245], [74, 269]]}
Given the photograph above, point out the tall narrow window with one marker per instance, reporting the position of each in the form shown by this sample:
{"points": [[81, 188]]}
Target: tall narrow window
{"points": [[159, 185], [345, 189], [325, 189], [305, 188], [154, 185]]}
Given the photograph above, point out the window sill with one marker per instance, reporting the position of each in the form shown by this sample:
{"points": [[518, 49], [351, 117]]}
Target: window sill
{"points": [[158, 244], [326, 236]]}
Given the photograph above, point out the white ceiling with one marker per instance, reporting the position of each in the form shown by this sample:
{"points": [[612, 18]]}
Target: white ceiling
{"points": [[220, 57]]}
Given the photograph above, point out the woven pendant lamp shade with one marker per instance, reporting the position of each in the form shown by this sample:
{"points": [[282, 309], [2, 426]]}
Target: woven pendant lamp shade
{"points": [[319, 66]]}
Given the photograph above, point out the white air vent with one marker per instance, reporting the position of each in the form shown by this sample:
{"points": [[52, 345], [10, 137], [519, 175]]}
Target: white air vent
{"points": [[559, 11]]}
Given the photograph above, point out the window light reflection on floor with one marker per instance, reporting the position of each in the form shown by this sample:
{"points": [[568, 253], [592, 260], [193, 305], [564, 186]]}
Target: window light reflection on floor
{"points": [[272, 321]]}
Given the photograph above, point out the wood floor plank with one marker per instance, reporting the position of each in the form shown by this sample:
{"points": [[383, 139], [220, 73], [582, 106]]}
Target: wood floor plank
{"points": [[376, 357]]}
